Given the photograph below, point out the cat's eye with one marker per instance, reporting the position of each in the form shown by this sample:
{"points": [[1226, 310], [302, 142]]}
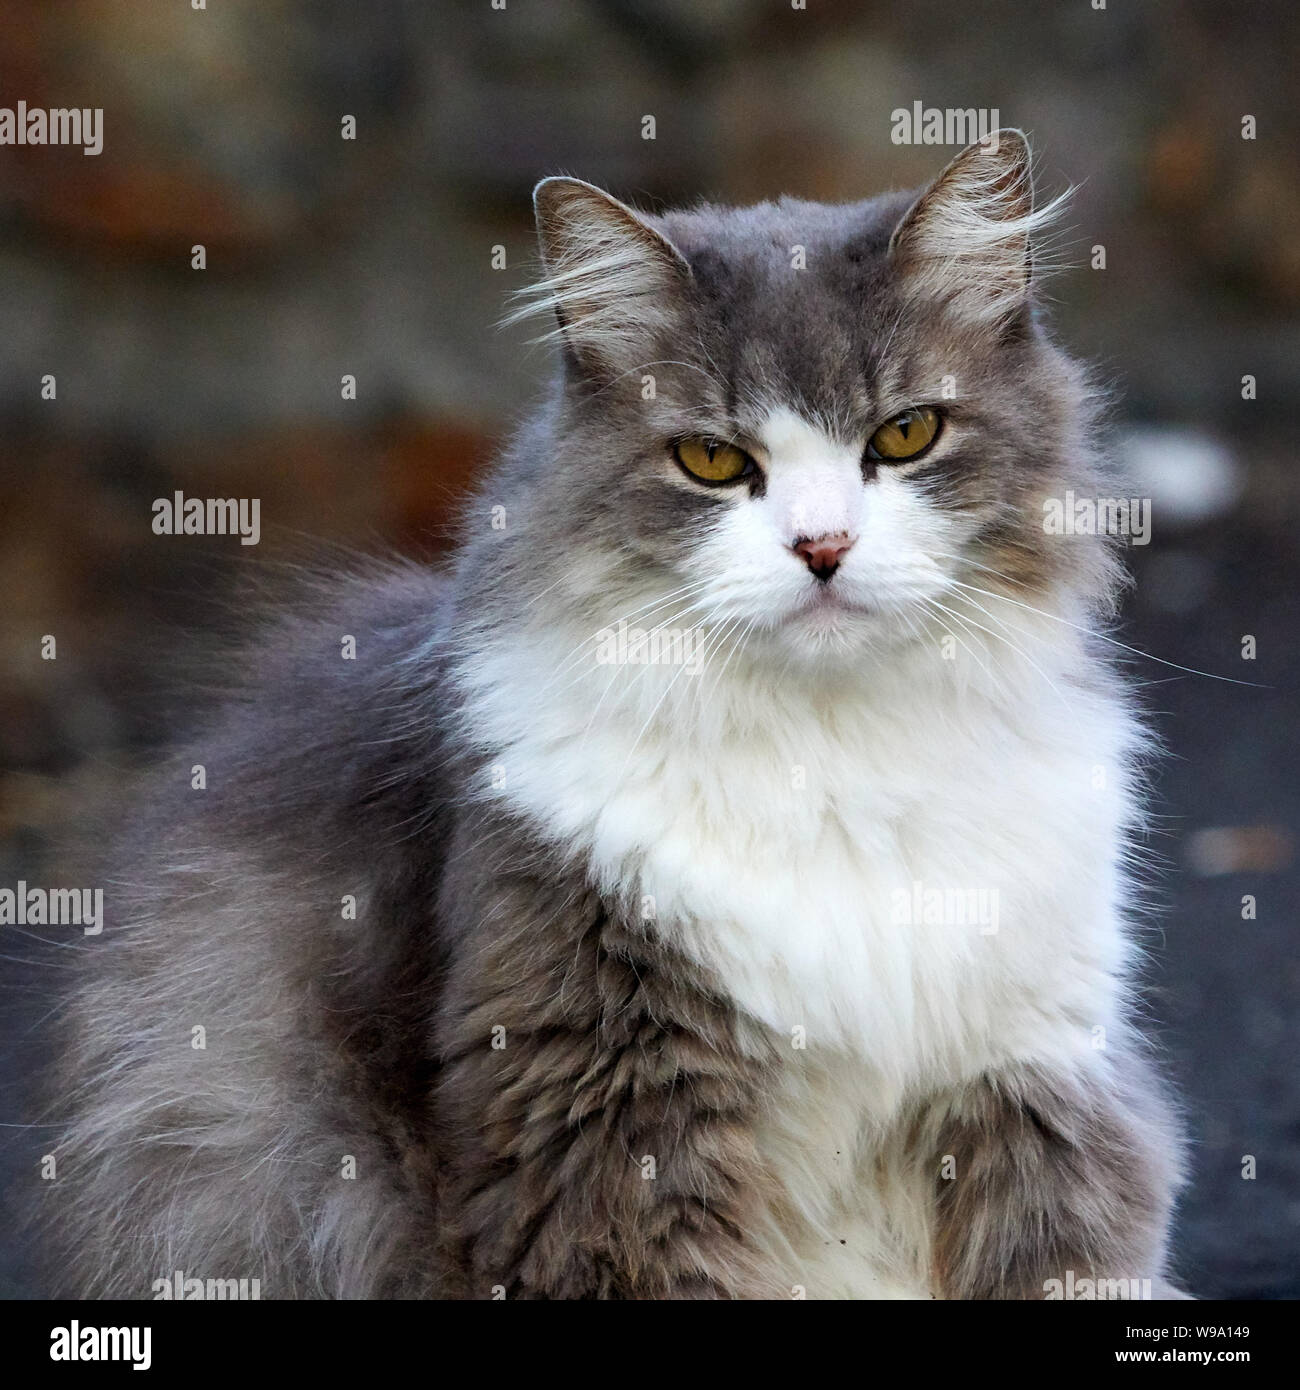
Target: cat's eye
{"points": [[713, 461], [906, 436]]}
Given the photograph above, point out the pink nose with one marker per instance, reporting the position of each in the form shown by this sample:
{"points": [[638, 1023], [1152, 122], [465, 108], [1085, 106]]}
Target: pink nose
{"points": [[823, 556]]}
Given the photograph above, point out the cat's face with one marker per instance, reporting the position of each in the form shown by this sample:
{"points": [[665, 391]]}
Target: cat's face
{"points": [[810, 423]]}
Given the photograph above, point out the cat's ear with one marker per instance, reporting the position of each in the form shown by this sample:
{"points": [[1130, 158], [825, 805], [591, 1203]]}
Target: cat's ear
{"points": [[611, 279], [967, 238]]}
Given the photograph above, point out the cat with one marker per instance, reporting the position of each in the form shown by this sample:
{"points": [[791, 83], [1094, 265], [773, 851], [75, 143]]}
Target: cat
{"points": [[717, 881]]}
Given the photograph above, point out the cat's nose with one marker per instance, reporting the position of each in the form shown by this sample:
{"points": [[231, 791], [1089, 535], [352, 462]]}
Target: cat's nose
{"points": [[823, 556]]}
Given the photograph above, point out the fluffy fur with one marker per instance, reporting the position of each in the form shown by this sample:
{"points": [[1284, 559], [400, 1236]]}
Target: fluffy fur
{"points": [[642, 997]]}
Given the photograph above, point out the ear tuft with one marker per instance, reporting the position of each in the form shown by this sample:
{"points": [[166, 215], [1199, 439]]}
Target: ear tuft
{"points": [[609, 277], [967, 238]]}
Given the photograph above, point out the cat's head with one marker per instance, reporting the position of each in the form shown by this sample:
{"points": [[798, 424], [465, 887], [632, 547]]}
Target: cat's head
{"points": [[807, 421]]}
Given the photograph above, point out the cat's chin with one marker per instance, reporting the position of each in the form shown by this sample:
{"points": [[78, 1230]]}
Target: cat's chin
{"points": [[834, 630]]}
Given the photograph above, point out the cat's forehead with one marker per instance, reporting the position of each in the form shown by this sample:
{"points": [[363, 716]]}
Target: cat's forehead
{"points": [[796, 301]]}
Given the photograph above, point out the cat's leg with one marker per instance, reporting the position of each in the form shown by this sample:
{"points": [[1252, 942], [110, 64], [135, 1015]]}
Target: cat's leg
{"points": [[596, 1107], [1062, 1178]]}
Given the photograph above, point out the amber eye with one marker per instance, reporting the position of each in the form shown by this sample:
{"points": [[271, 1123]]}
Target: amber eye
{"points": [[906, 436], [712, 461]]}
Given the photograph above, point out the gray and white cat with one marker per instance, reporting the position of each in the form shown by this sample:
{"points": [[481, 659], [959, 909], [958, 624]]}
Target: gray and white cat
{"points": [[715, 885]]}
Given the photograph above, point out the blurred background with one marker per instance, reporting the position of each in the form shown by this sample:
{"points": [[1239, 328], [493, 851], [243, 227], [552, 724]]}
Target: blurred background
{"points": [[375, 257]]}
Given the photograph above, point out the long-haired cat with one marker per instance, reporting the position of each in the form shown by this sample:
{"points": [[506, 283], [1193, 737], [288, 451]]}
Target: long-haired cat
{"points": [[713, 886]]}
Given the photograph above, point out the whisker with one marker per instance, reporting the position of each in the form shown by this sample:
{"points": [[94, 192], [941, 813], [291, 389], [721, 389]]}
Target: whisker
{"points": [[932, 603], [1021, 652], [1101, 637]]}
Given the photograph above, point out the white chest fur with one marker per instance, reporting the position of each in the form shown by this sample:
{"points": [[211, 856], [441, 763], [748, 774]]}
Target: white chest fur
{"points": [[899, 865], [910, 879]]}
